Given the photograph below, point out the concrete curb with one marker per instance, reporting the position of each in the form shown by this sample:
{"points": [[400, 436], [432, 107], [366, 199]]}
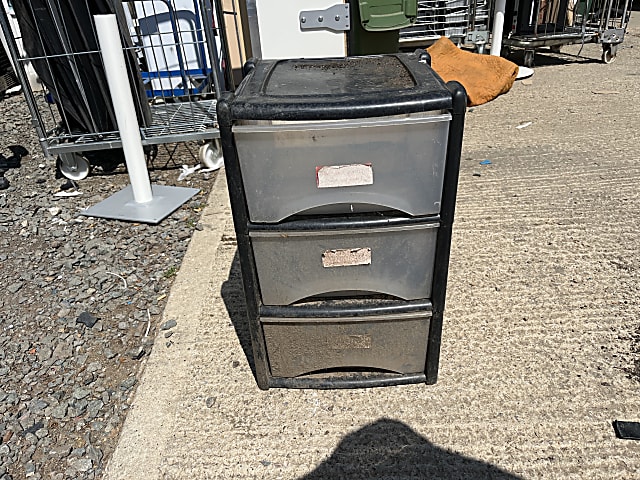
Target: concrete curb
{"points": [[150, 420]]}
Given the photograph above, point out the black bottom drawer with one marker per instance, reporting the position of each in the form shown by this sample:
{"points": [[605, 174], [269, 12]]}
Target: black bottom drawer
{"points": [[392, 343]]}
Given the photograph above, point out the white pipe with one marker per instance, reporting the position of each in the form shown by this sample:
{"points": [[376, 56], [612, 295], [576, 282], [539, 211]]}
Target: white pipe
{"points": [[118, 80], [498, 25]]}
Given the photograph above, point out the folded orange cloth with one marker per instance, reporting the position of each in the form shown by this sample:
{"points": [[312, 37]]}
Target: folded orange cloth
{"points": [[484, 77]]}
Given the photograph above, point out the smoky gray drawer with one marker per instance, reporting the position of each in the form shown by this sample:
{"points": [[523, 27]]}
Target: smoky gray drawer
{"points": [[395, 260]]}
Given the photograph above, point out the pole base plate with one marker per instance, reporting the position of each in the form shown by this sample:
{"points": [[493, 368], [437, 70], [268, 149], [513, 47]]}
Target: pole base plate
{"points": [[122, 205]]}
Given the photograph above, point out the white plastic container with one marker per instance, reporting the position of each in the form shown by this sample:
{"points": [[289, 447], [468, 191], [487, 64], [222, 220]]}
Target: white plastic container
{"points": [[168, 37]]}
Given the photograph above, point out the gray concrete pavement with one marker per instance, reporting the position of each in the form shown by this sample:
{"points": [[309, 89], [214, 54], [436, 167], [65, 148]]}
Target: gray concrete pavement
{"points": [[543, 300]]}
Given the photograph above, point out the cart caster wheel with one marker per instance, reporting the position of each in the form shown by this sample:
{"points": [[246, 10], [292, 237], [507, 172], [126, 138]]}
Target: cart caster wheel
{"points": [[505, 52], [608, 55], [73, 166], [210, 155], [528, 58], [555, 48]]}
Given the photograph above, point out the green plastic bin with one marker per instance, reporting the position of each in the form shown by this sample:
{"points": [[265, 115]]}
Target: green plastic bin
{"points": [[377, 24]]}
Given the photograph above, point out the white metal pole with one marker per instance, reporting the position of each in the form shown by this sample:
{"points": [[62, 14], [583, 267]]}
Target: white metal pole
{"points": [[498, 25], [118, 80]]}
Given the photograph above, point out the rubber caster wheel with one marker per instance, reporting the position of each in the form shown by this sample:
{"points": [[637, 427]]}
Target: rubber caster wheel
{"points": [[73, 166], [528, 58], [555, 48], [608, 55], [210, 155]]}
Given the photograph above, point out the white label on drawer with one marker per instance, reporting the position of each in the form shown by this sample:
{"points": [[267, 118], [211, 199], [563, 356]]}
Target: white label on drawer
{"points": [[346, 257], [332, 176]]}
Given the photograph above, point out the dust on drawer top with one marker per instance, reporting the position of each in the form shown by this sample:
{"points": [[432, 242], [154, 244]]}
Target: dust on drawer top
{"points": [[339, 88]]}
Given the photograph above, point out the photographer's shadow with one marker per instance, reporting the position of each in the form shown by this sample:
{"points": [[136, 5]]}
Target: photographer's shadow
{"points": [[386, 449], [389, 449]]}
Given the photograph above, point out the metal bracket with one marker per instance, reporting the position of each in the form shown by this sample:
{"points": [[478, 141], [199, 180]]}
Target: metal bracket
{"points": [[478, 37], [336, 18], [613, 35]]}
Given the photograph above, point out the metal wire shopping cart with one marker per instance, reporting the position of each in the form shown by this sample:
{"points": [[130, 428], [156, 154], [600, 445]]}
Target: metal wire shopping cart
{"points": [[177, 62], [462, 21], [554, 23]]}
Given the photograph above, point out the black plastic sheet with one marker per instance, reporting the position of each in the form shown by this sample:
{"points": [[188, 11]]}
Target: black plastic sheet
{"points": [[59, 38]]}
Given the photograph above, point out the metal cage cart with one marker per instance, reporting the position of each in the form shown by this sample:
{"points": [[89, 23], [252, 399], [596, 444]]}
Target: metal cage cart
{"points": [[176, 58], [171, 39], [343, 181], [462, 21], [554, 23]]}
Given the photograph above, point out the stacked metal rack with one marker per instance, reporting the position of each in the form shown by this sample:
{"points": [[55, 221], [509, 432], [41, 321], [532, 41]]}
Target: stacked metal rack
{"points": [[554, 23], [175, 52], [462, 21], [343, 182]]}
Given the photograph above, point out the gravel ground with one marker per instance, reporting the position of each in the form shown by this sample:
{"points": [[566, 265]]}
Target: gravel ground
{"points": [[80, 305]]}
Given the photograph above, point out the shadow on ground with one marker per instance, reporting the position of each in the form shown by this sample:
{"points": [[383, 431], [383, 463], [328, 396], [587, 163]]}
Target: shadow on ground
{"points": [[163, 157], [233, 296], [385, 449], [389, 449], [544, 57], [13, 161]]}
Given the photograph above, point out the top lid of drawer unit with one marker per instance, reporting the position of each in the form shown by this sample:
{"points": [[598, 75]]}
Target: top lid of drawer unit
{"points": [[339, 88]]}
